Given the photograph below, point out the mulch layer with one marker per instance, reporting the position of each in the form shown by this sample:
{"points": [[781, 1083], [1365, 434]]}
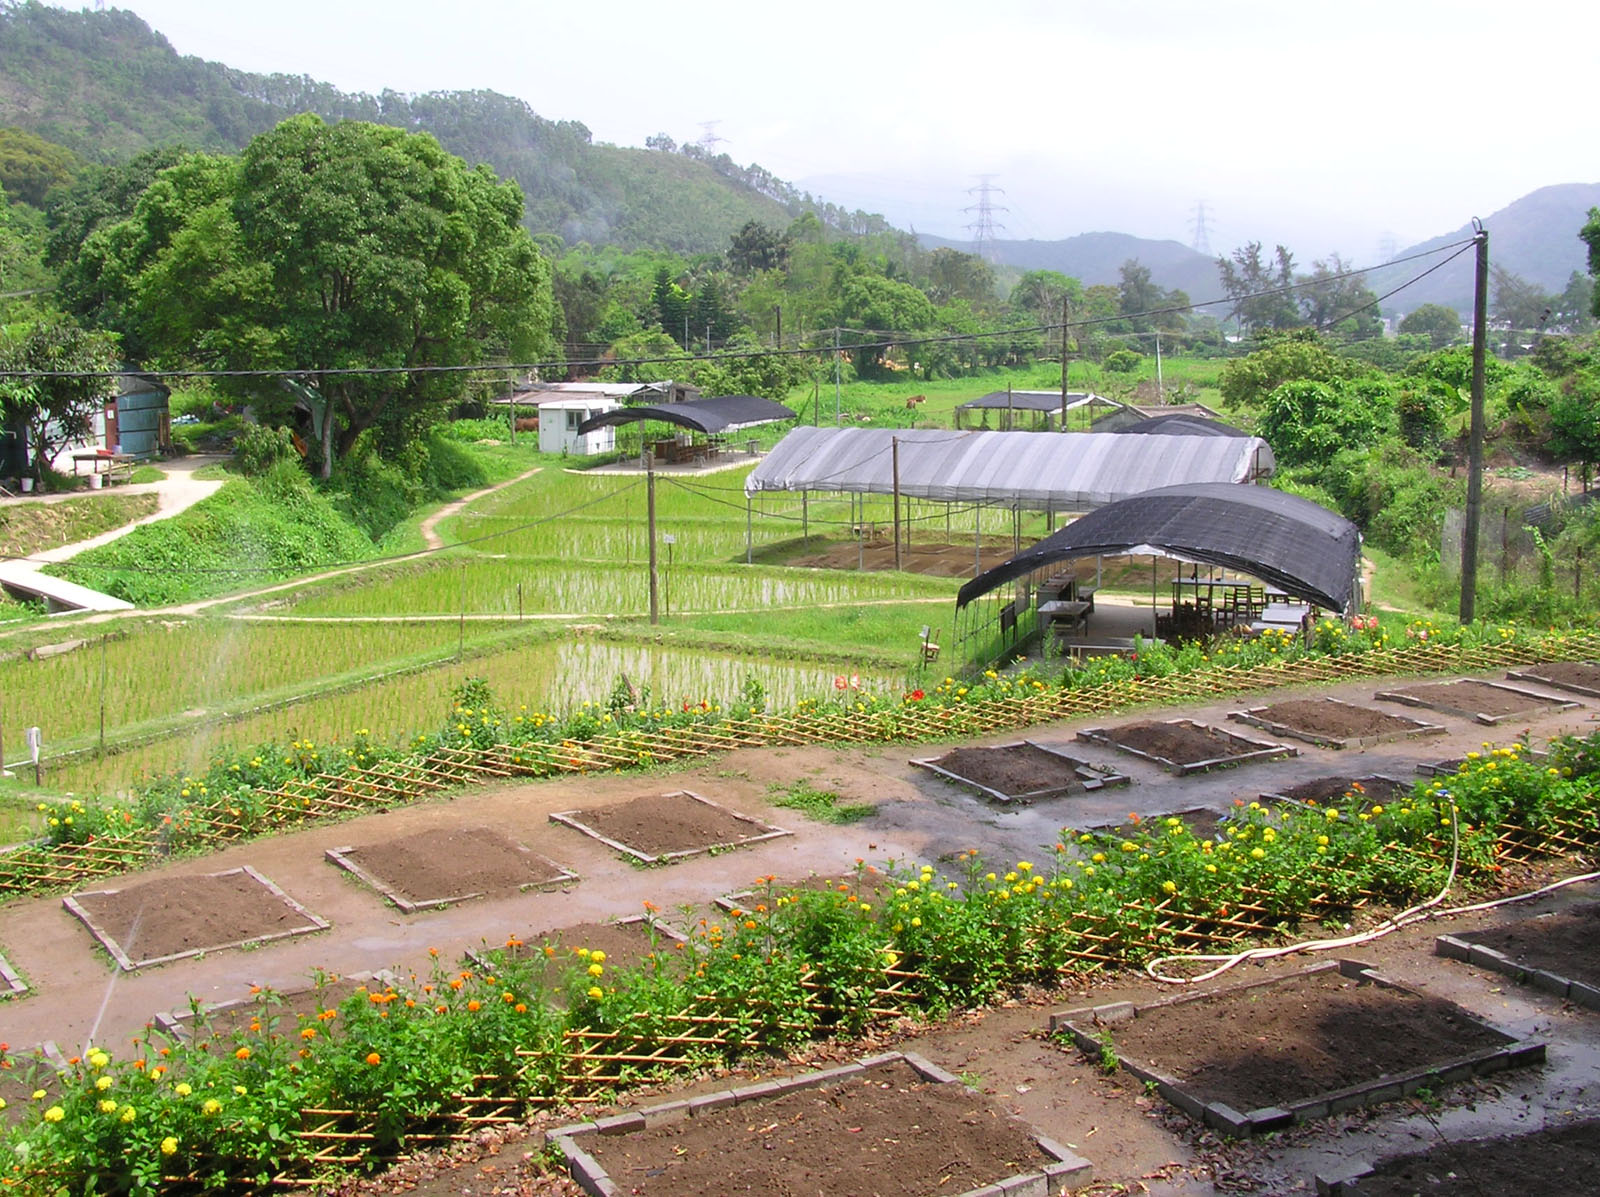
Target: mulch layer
{"points": [[1372, 788], [1020, 771], [170, 917], [1275, 1044], [431, 868], [1582, 677], [667, 824], [886, 1132], [1334, 720], [1470, 699], [1185, 743], [1563, 943], [1562, 1159]]}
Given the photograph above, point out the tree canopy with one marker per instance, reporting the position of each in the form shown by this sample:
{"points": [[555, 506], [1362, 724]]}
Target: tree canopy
{"points": [[54, 410], [331, 247]]}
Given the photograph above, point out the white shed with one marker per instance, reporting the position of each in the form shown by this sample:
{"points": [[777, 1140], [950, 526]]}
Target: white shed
{"points": [[559, 420]]}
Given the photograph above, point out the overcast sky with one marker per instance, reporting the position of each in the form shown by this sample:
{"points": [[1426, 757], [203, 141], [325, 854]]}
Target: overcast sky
{"points": [[1327, 126]]}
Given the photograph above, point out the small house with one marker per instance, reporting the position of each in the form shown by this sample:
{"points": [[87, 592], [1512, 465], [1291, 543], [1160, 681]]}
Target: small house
{"points": [[560, 418]]}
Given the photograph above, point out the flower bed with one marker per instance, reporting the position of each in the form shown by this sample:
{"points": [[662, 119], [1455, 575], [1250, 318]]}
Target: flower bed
{"points": [[393, 1069]]}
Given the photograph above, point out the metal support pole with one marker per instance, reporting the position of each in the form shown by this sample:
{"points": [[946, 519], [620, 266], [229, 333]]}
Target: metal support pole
{"points": [[103, 639], [1469, 533], [894, 457], [747, 534], [837, 418], [650, 532], [1063, 365], [805, 517]]}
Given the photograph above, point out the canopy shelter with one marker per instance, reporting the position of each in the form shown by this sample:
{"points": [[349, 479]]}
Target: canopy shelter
{"points": [[1033, 471], [723, 414], [1290, 543], [1049, 404]]}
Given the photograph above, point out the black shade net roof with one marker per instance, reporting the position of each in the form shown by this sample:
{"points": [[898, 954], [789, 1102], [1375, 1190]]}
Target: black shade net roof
{"points": [[1290, 543], [1046, 401], [1181, 425], [703, 415]]}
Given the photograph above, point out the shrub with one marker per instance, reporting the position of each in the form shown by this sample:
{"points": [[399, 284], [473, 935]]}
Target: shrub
{"points": [[258, 448]]}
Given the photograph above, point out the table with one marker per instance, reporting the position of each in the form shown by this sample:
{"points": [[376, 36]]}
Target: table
{"points": [[103, 463], [1290, 616], [1209, 587], [1065, 614]]}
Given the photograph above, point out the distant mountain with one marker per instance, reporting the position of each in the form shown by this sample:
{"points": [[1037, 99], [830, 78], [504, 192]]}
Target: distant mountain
{"points": [[107, 86], [1535, 237], [1093, 258]]}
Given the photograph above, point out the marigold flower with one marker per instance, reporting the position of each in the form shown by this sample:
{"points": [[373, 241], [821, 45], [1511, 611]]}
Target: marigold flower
{"points": [[473, 1006], [211, 1108], [374, 1059], [54, 1114], [308, 1033], [1169, 887], [183, 1089], [169, 1145], [107, 1106], [242, 1054], [128, 1114], [596, 992], [102, 1083]]}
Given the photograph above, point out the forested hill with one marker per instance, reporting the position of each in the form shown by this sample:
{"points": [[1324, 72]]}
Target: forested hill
{"points": [[107, 86]]}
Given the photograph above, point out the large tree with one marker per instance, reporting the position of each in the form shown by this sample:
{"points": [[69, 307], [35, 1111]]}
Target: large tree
{"points": [[1336, 299], [1440, 324], [1590, 236], [1260, 290], [342, 247]]}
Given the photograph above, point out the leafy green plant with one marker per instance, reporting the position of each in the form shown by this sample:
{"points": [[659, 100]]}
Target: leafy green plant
{"points": [[825, 806]]}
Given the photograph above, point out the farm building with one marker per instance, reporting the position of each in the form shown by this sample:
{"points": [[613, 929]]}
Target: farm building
{"points": [[135, 423], [560, 419], [1033, 410]]}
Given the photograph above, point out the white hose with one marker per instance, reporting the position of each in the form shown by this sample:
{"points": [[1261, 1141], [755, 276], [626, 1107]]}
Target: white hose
{"points": [[1416, 914]]}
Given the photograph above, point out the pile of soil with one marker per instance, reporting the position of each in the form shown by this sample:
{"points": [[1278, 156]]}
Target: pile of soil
{"points": [[1275, 1044], [1180, 743], [1015, 770], [1562, 1160], [1566, 673], [1479, 698], [187, 914], [886, 1132], [663, 823], [434, 866], [1559, 943], [1337, 720], [1323, 789]]}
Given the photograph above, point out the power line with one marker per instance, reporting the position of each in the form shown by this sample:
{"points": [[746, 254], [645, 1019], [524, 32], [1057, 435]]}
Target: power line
{"points": [[887, 339]]}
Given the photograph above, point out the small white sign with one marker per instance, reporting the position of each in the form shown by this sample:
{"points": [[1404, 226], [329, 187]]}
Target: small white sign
{"points": [[35, 739], [668, 538]]}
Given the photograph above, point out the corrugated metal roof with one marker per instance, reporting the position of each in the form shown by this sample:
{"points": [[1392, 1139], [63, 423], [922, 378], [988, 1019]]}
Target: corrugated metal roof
{"points": [[1031, 470]]}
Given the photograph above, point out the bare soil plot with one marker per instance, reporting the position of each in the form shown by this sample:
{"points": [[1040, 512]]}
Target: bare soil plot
{"points": [[173, 917], [658, 828], [626, 943], [1183, 746], [1487, 702], [1020, 772], [1560, 1159], [894, 1126], [1334, 724], [869, 885], [436, 868], [1202, 823], [1552, 952], [1374, 787], [1329, 1039], [270, 1009], [1581, 677]]}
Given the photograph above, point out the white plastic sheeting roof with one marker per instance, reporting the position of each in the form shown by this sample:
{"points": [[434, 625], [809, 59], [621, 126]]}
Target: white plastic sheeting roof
{"points": [[1031, 470]]}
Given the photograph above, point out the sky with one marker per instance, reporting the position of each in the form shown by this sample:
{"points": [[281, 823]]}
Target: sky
{"points": [[1328, 127]]}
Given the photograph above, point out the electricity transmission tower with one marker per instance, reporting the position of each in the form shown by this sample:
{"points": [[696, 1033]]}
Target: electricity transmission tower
{"points": [[1200, 226], [1388, 248], [709, 140], [983, 227]]}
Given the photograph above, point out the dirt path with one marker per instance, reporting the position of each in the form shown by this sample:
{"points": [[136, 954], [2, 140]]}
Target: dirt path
{"points": [[1130, 1136]]}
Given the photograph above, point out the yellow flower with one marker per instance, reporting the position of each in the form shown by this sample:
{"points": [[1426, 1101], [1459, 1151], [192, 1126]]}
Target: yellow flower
{"points": [[182, 1089], [1169, 887], [169, 1145], [595, 992], [107, 1106], [1129, 846], [1024, 866], [597, 956], [211, 1108], [1099, 858], [128, 1114], [595, 970], [98, 1059], [54, 1114], [1257, 853], [102, 1083]]}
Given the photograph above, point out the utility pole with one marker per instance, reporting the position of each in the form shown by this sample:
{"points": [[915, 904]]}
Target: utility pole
{"points": [[894, 445], [1063, 365], [1480, 338], [1161, 390], [650, 520], [778, 309], [837, 417]]}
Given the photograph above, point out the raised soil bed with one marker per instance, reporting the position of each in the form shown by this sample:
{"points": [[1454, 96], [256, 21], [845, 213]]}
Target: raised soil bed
{"points": [[893, 1126], [1021, 772], [1183, 746], [659, 828], [174, 917], [1558, 1159], [1487, 702], [1261, 1056], [11, 983], [1580, 677], [1374, 787], [437, 868], [1332, 723], [626, 943], [1551, 952], [870, 885], [282, 1006], [1202, 823]]}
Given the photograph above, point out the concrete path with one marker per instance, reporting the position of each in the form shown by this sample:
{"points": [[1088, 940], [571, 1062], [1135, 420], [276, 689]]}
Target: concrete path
{"points": [[178, 491]]}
